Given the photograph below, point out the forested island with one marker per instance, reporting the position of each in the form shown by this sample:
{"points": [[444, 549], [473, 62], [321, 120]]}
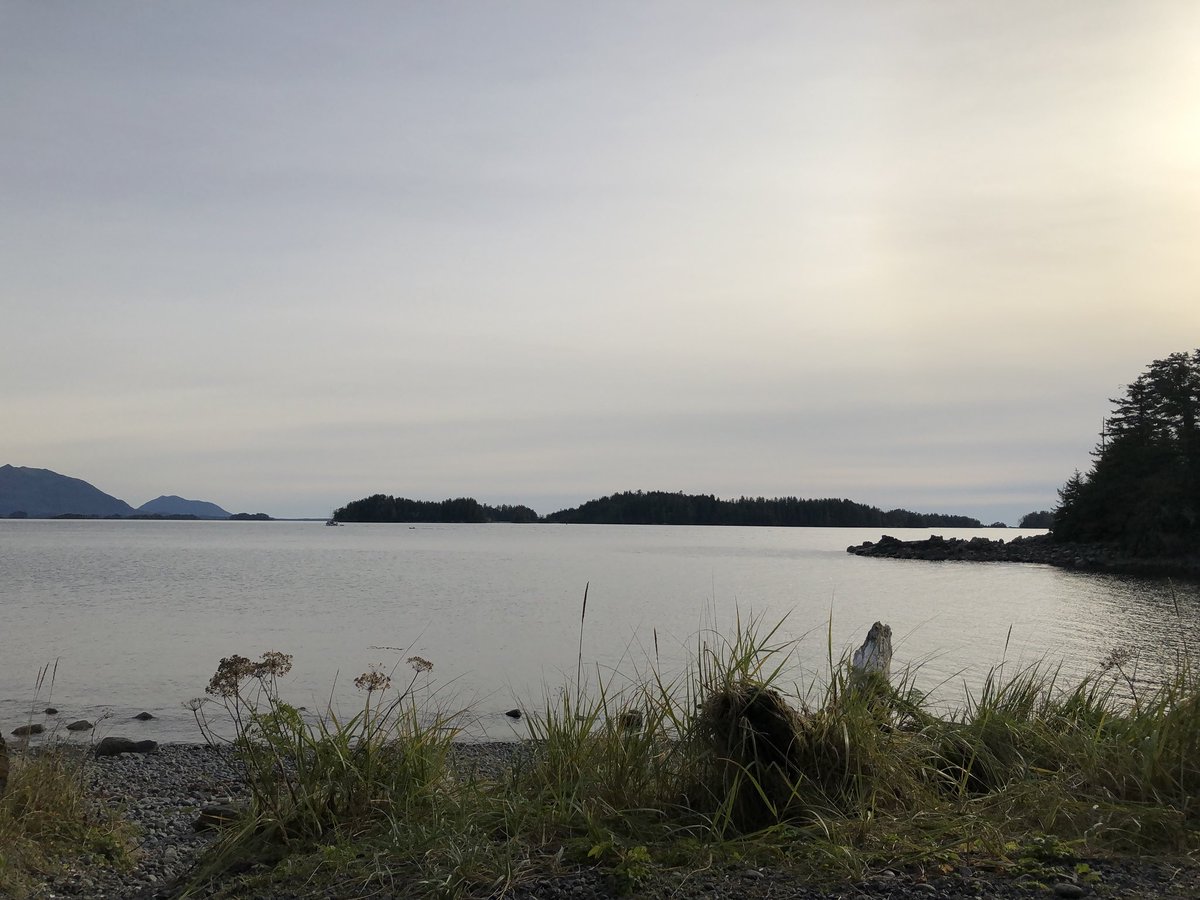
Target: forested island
{"points": [[662, 508], [654, 508], [386, 508]]}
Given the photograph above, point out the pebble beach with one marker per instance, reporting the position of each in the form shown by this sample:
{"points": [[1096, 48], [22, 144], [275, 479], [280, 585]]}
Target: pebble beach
{"points": [[162, 793]]}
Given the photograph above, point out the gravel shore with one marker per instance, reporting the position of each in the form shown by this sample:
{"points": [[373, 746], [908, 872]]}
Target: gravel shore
{"points": [[161, 794]]}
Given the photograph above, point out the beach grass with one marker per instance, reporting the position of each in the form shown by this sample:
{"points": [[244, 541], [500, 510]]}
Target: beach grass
{"points": [[48, 822], [730, 763]]}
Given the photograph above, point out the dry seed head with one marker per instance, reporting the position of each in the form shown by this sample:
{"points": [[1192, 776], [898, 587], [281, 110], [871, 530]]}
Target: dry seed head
{"points": [[420, 664], [273, 663], [374, 680], [1116, 658], [231, 671]]}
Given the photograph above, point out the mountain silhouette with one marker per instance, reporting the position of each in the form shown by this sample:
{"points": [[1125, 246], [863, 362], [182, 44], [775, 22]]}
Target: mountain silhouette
{"points": [[40, 493], [171, 505]]}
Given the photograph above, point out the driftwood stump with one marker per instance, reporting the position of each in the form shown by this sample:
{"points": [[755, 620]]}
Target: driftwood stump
{"points": [[3, 766], [874, 657]]}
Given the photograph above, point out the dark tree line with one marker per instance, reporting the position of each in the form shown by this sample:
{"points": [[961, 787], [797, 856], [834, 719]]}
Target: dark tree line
{"points": [[1142, 492], [385, 508], [654, 508], [662, 508], [1043, 518]]}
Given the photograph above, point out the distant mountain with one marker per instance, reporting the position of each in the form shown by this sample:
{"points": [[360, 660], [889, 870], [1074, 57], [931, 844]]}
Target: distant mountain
{"points": [[40, 493], [170, 505]]}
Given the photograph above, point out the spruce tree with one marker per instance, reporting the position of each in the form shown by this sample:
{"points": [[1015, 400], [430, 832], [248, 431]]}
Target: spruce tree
{"points": [[1142, 493]]}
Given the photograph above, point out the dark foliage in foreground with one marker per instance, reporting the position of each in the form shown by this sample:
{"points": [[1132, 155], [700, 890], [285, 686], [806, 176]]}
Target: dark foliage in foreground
{"points": [[1143, 491]]}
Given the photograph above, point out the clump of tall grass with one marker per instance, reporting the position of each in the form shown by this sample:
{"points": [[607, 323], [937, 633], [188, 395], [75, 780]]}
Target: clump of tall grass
{"points": [[47, 821], [731, 759], [313, 782]]}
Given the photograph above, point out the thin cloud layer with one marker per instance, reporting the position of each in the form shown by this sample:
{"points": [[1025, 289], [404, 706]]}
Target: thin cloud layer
{"points": [[281, 258]]}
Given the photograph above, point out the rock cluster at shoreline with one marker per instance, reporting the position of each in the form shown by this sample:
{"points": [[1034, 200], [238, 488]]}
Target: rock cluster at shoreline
{"points": [[1041, 549]]}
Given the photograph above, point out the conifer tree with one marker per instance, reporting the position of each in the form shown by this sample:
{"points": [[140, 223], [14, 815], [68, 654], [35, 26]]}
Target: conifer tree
{"points": [[1142, 493]]}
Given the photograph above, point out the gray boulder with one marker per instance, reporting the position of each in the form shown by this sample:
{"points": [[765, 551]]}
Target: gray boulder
{"points": [[80, 725], [26, 730], [114, 746]]}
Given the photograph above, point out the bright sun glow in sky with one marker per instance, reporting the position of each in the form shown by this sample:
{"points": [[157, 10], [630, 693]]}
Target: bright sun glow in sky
{"points": [[283, 256]]}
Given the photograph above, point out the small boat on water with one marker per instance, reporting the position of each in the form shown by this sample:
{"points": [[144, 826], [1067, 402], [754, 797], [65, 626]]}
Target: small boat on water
{"points": [[333, 522]]}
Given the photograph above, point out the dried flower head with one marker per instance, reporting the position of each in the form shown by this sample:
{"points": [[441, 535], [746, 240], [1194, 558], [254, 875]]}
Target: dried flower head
{"points": [[273, 663], [373, 680], [231, 672], [420, 664], [1117, 657]]}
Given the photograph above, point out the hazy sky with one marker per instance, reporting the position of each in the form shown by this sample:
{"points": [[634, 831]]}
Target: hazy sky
{"points": [[283, 255]]}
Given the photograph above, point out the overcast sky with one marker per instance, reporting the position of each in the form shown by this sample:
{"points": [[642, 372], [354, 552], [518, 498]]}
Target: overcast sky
{"points": [[281, 256]]}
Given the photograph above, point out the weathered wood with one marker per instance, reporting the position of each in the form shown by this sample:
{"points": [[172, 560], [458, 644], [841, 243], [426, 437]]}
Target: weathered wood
{"points": [[875, 655], [3, 766]]}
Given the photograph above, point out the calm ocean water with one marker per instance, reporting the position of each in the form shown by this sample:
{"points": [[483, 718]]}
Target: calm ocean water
{"points": [[136, 615]]}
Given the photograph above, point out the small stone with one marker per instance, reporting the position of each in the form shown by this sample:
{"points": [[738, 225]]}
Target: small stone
{"points": [[1069, 890], [51, 711], [512, 714], [80, 725], [143, 717], [26, 730], [216, 815]]}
